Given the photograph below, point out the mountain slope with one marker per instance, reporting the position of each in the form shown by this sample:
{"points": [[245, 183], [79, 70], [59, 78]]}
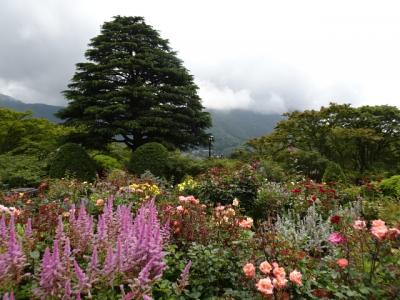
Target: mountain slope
{"points": [[231, 128], [234, 127], [39, 110]]}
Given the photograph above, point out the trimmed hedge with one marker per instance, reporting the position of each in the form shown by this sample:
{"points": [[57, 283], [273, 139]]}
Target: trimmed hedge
{"points": [[151, 157], [391, 186], [72, 160]]}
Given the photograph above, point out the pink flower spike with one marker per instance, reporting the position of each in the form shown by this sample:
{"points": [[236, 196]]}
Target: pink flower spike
{"points": [[28, 228]]}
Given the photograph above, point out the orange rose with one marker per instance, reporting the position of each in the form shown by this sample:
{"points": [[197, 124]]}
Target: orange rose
{"points": [[265, 267], [265, 286], [295, 277], [249, 270]]}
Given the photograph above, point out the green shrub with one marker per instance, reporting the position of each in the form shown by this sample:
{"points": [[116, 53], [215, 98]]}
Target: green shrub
{"points": [[225, 163], [333, 173], [271, 170], [71, 160], [152, 157], [272, 198], [21, 170], [220, 185], [351, 194], [106, 163], [391, 186], [310, 164], [179, 166]]}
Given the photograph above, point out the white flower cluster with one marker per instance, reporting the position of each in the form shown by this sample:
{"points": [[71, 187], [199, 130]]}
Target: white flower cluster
{"points": [[9, 210]]}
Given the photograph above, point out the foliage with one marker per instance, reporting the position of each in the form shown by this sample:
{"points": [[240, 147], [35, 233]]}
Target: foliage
{"points": [[151, 157], [391, 186], [310, 241], [21, 170], [271, 170], [72, 160], [68, 189], [221, 185], [135, 90], [106, 163], [272, 198], [333, 173], [310, 164], [180, 165], [22, 134], [364, 139]]}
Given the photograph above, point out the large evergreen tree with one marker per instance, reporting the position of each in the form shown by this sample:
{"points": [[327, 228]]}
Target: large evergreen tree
{"points": [[135, 90]]}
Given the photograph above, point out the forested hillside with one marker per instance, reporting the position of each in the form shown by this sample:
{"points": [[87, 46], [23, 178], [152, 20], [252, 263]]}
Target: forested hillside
{"points": [[231, 128]]}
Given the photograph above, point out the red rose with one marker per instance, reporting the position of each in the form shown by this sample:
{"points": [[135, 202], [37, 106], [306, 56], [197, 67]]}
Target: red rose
{"points": [[335, 219]]}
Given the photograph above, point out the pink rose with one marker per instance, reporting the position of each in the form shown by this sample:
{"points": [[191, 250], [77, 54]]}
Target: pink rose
{"points": [[379, 229], [342, 262], [336, 238], [378, 223], [180, 208], [359, 225], [265, 267], [279, 272], [265, 286], [183, 199], [249, 270], [246, 223], [295, 277], [279, 282]]}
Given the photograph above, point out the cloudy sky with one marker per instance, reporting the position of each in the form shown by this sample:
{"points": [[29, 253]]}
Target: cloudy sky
{"points": [[268, 56]]}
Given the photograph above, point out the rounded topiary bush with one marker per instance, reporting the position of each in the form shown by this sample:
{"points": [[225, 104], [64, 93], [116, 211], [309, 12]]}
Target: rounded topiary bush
{"points": [[151, 157], [391, 186], [106, 163], [73, 161], [333, 173]]}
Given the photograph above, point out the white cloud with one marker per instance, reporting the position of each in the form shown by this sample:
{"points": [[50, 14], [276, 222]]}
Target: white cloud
{"points": [[223, 97], [267, 56]]}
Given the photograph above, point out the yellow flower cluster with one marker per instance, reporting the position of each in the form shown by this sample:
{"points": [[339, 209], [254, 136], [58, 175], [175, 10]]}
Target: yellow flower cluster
{"points": [[188, 183], [147, 189]]}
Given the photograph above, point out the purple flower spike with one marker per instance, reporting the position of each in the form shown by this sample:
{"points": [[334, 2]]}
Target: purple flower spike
{"points": [[28, 228]]}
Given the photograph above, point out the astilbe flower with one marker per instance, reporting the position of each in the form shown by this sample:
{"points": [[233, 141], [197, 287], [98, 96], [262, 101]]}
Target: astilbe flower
{"points": [[139, 245], [83, 280], [131, 247], [81, 229], [53, 275], [3, 231], [184, 278], [8, 296], [55, 272], [107, 227], [28, 229], [12, 261]]}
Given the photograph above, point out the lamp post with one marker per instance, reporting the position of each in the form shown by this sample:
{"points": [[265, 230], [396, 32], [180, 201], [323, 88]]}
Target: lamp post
{"points": [[210, 140]]}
